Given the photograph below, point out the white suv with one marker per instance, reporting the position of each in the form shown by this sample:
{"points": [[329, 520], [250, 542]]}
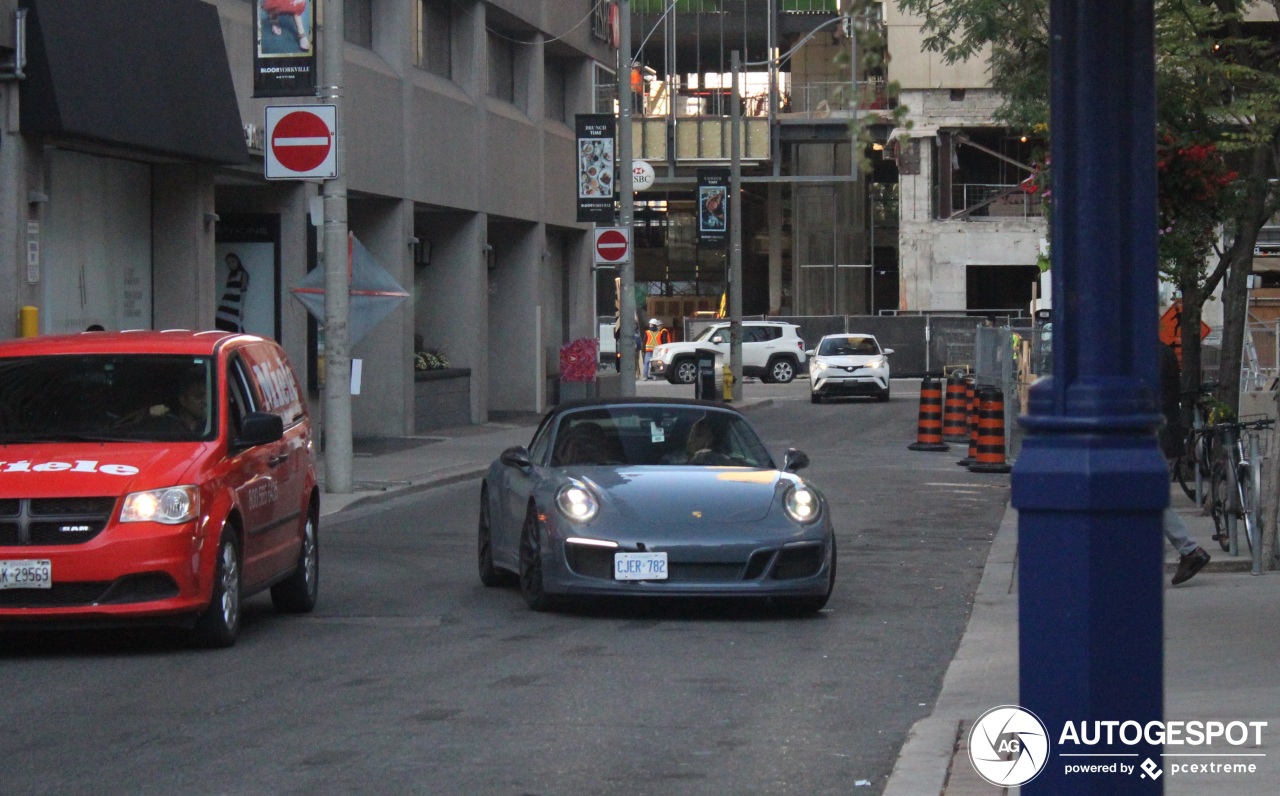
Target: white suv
{"points": [[771, 350]]}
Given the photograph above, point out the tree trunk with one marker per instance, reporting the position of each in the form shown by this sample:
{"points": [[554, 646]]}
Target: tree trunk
{"points": [[1252, 214]]}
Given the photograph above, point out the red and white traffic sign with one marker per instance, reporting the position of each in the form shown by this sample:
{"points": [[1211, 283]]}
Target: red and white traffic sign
{"points": [[613, 245], [301, 142]]}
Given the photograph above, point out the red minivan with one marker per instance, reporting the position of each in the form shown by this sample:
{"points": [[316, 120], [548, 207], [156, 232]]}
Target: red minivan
{"points": [[153, 477]]}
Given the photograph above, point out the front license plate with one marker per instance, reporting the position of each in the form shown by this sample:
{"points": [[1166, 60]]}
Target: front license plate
{"points": [[640, 566], [27, 574]]}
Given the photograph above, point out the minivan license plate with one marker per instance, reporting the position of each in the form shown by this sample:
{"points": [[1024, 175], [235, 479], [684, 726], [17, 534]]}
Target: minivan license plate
{"points": [[640, 566], [31, 574]]}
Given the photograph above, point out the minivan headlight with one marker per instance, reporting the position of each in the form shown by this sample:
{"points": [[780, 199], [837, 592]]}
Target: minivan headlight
{"points": [[802, 504], [577, 503], [170, 506]]}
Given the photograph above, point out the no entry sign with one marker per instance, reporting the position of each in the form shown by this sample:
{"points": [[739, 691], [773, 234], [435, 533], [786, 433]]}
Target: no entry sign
{"points": [[300, 142], [613, 245]]}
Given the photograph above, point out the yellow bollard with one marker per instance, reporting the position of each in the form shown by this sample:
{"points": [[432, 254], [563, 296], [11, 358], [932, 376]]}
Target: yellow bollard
{"points": [[728, 384], [29, 321]]}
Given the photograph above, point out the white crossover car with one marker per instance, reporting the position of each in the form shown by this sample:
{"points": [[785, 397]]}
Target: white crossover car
{"points": [[848, 364], [771, 350]]}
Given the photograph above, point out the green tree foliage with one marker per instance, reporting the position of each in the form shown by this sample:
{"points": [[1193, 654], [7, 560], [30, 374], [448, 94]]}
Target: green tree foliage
{"points": [[1218, 109]]}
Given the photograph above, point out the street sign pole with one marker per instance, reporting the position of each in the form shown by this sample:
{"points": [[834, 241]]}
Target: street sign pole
{"points": [[338, 454], [626, 188], [735, 230]]}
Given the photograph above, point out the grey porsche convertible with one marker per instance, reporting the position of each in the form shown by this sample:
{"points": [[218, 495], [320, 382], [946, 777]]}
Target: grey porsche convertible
{"points": [[654, 497]]}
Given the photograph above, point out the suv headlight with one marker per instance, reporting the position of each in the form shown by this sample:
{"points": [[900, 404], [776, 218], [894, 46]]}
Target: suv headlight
{"points": [[802, 504], [171, 506], [819, 365], [875, 364], [577, 503]]}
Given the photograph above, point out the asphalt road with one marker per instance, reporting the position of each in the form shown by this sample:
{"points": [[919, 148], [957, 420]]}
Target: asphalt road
{"points": [[413, 678]]}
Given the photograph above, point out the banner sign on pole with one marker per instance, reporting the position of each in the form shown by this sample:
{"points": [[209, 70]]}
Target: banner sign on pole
{"points": [[284, 55], [713, 197], [595, 163]]}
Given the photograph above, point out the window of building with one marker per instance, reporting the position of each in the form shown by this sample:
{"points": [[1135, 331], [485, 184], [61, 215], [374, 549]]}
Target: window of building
{"points": [[502, 67], [435, 37], [556, 90], [357, 19], [605, 95]]}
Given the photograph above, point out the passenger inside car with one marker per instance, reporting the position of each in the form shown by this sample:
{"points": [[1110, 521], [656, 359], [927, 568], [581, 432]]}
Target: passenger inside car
{"points": [[588, 443], [706, 443]]}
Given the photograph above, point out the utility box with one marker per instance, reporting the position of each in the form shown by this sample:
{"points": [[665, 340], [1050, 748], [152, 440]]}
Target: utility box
{"points": [[709, 386]]}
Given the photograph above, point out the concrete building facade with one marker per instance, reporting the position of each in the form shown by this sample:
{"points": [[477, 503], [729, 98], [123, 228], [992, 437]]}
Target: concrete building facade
{"points": [[459, 140]]}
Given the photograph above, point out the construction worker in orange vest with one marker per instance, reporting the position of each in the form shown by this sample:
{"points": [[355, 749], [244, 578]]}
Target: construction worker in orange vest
{"points": [[654, 336]]}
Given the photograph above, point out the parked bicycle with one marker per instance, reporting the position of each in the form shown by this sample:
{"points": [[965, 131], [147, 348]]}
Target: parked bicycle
{"points": [[1235, 486], [1195, 462]]}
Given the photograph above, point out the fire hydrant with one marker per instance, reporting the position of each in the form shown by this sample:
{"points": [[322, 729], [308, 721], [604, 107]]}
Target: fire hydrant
{"points": [[728, 384]]}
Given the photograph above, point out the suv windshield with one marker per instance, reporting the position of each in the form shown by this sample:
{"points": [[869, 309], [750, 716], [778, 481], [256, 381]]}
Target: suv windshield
{"points": [[145, 397], [707, 333], [848, 347]]}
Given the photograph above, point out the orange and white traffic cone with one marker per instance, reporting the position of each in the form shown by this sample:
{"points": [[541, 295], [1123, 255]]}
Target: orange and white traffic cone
{"points": [[990, 453], [929, 427], [955, 427]]}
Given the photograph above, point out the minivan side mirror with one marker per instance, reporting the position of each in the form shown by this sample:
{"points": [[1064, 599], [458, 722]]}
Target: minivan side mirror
{"points": [[259, 428], [794, 460]]}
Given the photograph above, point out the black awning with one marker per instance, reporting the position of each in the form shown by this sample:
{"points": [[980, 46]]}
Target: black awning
{"points": [[150, 75]]}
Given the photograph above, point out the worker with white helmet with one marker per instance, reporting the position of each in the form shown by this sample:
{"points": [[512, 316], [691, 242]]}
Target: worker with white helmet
{"points": [[654, 336]]}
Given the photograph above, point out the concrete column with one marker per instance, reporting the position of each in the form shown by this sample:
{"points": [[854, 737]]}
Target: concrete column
{"points": [[384, 405], [775, 247], [1090, 484], [182, 244]]}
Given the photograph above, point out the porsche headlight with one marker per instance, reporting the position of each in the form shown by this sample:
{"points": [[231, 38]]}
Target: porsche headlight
{"points": [[802, 504], [171, 506], [577, 503]]}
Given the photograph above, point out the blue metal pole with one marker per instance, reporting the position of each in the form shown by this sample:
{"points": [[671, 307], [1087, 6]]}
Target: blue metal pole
{"points": [[1090, 484]]}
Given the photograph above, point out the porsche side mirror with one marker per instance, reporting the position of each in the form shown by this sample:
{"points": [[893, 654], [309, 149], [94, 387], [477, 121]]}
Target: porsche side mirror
{"points": [[516, 456], [794, 460]]}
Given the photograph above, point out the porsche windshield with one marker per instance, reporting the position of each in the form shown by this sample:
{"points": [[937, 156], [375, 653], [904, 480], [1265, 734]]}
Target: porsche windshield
{"points": [[657, 435], [104, 397]]}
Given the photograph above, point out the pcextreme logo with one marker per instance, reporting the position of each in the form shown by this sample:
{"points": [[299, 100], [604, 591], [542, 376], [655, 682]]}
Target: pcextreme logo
{"points": [[1008, 746]]}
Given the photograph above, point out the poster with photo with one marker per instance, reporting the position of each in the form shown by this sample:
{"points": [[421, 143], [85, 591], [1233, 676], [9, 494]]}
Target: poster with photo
{"points": [[595, 167], [284, 57], [713, 200], [247, 275]]}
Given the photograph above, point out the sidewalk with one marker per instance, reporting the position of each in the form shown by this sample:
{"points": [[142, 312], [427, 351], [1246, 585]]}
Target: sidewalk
{"points": [[1222, 642]]}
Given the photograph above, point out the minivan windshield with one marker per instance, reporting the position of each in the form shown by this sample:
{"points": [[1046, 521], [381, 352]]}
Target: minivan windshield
{"points": [[107, 397]]}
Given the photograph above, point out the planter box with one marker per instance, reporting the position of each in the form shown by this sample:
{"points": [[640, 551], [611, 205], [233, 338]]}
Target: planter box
{"points": [[441, 398]]}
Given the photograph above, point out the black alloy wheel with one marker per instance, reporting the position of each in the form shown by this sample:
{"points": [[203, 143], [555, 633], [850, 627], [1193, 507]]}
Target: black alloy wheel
{"points": [[781, 371], [531, 587], [684, 371], [297, 594], [489, 574], [219, 625]]}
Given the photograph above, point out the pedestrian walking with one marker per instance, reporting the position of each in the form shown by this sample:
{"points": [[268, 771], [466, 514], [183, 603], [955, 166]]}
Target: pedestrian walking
{"points": [[1193, 557]]}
